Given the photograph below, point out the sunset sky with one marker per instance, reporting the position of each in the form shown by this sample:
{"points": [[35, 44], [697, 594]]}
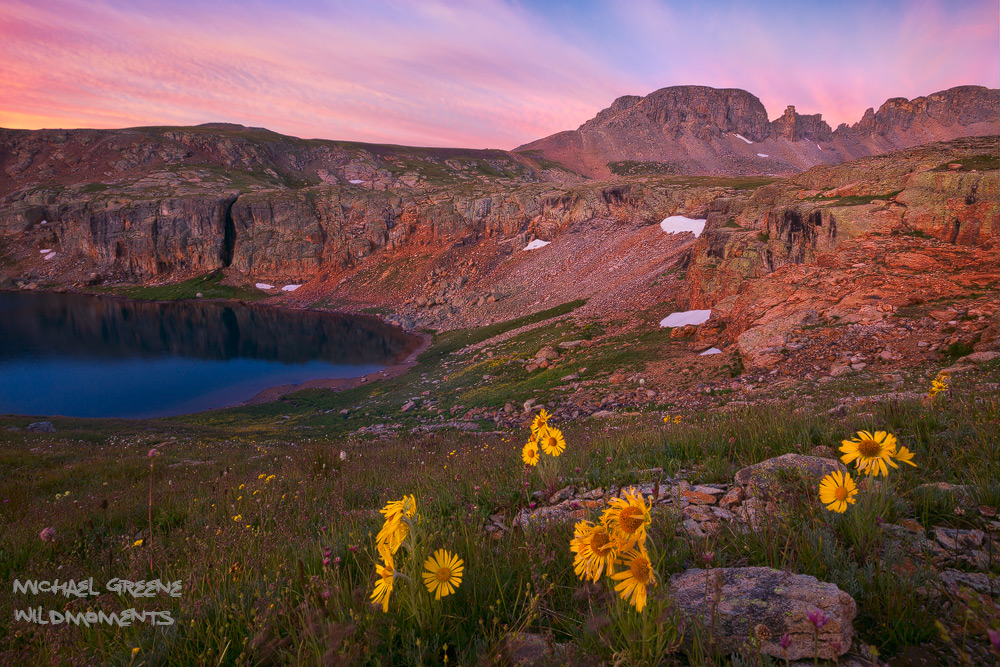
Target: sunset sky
{"points": [[479, 73]]}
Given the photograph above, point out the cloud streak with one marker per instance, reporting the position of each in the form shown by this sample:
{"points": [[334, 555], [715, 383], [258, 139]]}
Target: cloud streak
{"points": [[482, 73]]}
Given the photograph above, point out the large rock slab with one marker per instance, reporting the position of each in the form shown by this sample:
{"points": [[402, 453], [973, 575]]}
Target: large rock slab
{"points": [[765, 479], [766, 603]]}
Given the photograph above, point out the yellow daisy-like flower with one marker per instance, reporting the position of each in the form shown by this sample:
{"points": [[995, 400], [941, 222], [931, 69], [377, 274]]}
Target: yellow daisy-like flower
{"points": [[530, 453], [386, 574], [442, 573], [595, 551], [872, 452], [626, 518], [677, 419], [541, 421], [938, 384], [635, 578], [552, 441], [836, 490], [395, 529], [906, 456]]}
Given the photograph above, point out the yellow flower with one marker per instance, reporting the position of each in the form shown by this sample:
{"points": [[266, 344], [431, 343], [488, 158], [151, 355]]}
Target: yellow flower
{"points": [[395, 529], [906, 456], [871, 452], [541, 421], [530, 453], [595, 551], [135, 651], [635, 578], [442, 573], [137, 543], [666, 419], [386, 574], [552, 441], [836, 490], [237, 517], [626, 518], [938, 384], [677, 419]]}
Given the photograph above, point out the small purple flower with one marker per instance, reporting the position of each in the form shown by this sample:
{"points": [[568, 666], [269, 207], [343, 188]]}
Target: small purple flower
{"points": [[48, 534], [325, 594], [476, 489], [608, 459], [708, 557], [336, 561], [153, 453], [995, 639], [532, 505], [353, 548], [785, 641], [326, 562], [817, 618]]}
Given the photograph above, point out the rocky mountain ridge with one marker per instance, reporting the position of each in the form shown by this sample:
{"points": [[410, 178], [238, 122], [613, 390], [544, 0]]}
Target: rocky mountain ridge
{"points": [[697, 129]]}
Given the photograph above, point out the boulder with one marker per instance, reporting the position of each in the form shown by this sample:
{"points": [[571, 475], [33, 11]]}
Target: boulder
{"points": [[766, 478], [42, 427], [547, 353], [526, 649], [766, 603]]}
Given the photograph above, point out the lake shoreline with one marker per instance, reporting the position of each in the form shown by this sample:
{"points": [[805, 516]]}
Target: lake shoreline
{"points": [[340, 384]]}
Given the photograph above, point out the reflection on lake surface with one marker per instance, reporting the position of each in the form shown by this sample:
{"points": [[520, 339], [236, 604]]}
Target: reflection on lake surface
{"points": [[86, 356]]}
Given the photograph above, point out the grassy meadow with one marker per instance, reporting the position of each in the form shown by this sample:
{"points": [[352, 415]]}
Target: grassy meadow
{"points": [[272, 531], [273, 537]]}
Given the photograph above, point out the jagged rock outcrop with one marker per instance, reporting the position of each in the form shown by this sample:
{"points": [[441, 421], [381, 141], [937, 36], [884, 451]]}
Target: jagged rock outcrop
{"points": [[818, 247], [795, 127], [699, 130]]}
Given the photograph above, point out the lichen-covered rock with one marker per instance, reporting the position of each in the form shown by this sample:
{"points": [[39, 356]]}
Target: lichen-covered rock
{"points": [[766, 479], [766, 603]]}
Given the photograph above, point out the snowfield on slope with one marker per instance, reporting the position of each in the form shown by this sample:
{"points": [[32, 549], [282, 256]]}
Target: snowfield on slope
{"points": [[678, 224], [685, 317]]}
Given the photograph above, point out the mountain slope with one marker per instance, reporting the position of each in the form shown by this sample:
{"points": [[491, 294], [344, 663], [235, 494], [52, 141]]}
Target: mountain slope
{"points": [[701, 130]]}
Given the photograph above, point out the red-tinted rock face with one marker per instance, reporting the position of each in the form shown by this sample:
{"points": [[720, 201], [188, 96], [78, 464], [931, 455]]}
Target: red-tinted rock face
{"points": [[693, 130], [795, 127]]}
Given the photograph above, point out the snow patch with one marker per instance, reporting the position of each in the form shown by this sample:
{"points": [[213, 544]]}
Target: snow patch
{"points": [[678, 224], [51, 255], [686, 317], [263, 286], [355, 182], [290, 288], [711, 350], [46, 251], [740, 136], [536, 244], [763, 155]]}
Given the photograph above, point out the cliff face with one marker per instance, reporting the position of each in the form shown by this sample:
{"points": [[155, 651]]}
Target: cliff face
{"points": [[848, 244], [693, 129]]}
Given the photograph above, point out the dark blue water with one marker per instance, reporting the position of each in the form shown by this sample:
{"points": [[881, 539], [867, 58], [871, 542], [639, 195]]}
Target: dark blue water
{"points": [[86, 356]]}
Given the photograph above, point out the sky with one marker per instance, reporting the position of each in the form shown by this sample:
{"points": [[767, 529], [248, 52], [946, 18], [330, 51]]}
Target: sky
{"points": [[473, 73]]}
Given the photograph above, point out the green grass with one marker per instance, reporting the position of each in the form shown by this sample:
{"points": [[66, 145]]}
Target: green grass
{"points": [[633, 168], [209, 285], [984, 162]]}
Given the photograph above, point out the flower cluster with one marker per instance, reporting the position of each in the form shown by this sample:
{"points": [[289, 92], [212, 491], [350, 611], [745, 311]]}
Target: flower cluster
{"points": [[616, 548], [938, 385], [544, 439], [442, 571], [872, 454]]}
